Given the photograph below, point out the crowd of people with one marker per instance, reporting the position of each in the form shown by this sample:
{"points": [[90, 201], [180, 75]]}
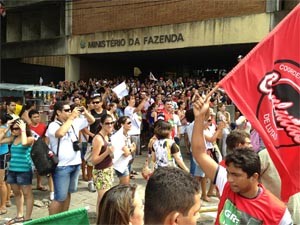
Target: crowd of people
{"points": [[160, 118]]}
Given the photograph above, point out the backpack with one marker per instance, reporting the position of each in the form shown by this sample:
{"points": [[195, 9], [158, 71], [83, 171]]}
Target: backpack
{"points": [[44, 160], [163, 154]]}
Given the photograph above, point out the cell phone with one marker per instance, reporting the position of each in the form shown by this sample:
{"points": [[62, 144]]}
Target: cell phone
{"points": [[81, 109]]}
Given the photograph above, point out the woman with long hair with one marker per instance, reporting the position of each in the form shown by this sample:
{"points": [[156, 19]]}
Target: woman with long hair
{"points": [[223, 116], [121, 205], [165, 152], [102, 156], [112, 110], [20, 167], [127, 149], [182, 128]]}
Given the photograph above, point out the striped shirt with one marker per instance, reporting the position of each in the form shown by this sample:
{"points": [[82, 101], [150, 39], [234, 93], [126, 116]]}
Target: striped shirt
{"points": [[20, 158]]}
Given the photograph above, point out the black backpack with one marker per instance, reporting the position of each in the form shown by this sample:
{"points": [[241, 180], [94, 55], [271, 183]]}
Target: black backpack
{"points": [[44, 160]]}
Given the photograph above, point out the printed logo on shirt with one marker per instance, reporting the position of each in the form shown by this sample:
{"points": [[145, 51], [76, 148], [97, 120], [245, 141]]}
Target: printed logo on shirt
{"points": [[230, 215]]}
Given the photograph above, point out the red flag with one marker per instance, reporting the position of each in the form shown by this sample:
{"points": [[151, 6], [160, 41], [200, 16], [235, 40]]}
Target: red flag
{"points": [[265, 86]]}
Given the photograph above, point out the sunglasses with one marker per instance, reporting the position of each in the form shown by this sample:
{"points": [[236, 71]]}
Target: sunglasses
{"points": [[97, 102], [128, 123], [67, 110], [109, 123], [15, 128]]}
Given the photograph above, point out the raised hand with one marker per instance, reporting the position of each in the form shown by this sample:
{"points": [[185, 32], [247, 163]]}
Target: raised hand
{"points": [[200, 106], [21, 124]]}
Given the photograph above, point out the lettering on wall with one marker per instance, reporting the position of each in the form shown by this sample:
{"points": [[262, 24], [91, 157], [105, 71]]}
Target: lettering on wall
{"points": [[146, 40]]}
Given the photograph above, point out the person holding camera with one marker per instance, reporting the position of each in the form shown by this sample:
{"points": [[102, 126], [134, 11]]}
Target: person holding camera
{"points": [[63, 133]]}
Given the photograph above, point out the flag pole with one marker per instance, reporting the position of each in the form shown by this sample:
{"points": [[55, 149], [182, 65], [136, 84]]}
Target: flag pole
{"points": [[212, 91]]}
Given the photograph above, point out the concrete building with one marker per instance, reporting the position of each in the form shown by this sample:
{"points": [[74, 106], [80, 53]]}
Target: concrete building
{"points": [[86, 38]]}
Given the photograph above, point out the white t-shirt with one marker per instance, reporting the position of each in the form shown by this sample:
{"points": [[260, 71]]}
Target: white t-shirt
{"points": [[189, 132], [208, 133], [176, 124], [66, 156], [135, 120]]}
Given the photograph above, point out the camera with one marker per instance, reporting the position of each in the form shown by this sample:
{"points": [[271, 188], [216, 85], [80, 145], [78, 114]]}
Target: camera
{"points": [[76, 146], [81, 109]]}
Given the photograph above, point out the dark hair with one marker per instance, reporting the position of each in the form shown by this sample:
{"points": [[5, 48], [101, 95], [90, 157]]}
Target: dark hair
{"points": [[246, 159], [28, 105], [127, 98], [235, 138], [3, 117], [58, 106], [33, 112], [9, 101], [162, 196], [189, 115], [102, 119], [28, 131], [120, 121], [179, 103], [76, 96], [110, 105], [97, 97], [162, 129], [167, 100]]}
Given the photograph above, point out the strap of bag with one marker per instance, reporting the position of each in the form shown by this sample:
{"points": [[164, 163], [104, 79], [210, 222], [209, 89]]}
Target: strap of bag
{"points": [[75, 133], [57, 150]]}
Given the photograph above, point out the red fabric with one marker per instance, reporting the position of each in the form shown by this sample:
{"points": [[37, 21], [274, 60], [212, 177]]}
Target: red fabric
{"points": [[266, 208], [39, 129], [265, 86], [169, 118]]}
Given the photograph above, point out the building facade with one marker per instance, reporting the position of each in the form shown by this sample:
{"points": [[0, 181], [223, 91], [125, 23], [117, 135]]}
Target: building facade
{"points": [[86, 38]]}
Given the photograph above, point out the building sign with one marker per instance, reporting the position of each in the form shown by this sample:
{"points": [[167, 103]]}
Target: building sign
{"points": [[146, 40]]}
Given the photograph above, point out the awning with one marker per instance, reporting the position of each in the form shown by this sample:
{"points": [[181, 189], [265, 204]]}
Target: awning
{"points": [[28, 87]]}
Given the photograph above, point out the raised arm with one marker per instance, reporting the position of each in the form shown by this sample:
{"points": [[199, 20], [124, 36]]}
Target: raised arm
{"points": [[209, 166], [26, 141]]}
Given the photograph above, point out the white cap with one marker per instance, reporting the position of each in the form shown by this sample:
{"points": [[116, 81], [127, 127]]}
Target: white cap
{"points": [[240, 120]]}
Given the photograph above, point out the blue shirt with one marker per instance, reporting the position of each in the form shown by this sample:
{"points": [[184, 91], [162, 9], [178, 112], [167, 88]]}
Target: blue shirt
{"points": [[4, 147]]}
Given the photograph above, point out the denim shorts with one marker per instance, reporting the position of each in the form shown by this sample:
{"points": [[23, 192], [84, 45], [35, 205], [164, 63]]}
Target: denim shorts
{"points": [[65, 180], [198, 172], [19, 178], [119, 174]]}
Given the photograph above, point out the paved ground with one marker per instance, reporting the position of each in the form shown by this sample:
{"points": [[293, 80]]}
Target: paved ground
{"points": [[84, 198]]}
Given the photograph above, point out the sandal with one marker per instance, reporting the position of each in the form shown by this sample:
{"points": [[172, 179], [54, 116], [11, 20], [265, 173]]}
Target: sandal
{"points": [[42, 188], [212, 195], [133, 172], [3, 211], [15, 220]]}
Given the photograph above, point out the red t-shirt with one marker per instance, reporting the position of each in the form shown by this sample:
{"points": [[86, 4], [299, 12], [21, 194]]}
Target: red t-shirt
{"points": [[38, 131], [236, 209]]}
